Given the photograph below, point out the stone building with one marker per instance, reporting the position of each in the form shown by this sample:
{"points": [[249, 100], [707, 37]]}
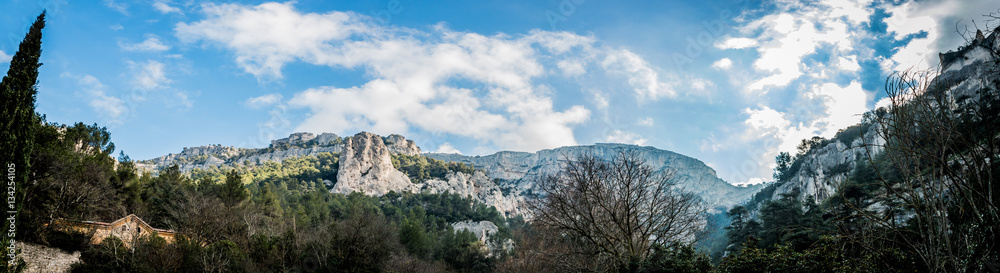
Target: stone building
{"points": [[128, 229]]}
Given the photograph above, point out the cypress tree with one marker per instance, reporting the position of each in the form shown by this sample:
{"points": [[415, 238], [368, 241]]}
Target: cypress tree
{"points": [[17, 96]]}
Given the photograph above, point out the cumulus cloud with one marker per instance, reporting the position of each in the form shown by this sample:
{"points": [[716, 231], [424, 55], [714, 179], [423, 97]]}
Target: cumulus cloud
{"points": [[784, 38], [723, 64], [267, 36], [446, 148], [488, 88], [736, 43], [4, 58], [152, 43], [619, 136]]}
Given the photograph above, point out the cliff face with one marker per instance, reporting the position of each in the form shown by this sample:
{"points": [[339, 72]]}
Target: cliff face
{"points": [[517, 172], [963, 76], [366, 166], [202, 157], [824, 168], [502, 180]]}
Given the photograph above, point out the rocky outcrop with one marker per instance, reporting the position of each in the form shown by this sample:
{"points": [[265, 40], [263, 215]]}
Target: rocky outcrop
{"points": [[203, 157], [502, 180], [482, 229], [963, 77], [400, 145], [824, 168], [366, 166], [480, 187], [47, 259], [517, 172], [294, 138]]}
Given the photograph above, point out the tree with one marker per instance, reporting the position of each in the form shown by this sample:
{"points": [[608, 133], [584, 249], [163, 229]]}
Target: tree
{"points": [[741, 229], [941, 164], [234, 192], [782, 171], [615, 212], [17, 111]]}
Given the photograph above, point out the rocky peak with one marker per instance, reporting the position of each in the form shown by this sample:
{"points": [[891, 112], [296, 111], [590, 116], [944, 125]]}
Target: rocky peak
{"points": [[294, 138], [366, 166], [400, 145], [326, 139]]}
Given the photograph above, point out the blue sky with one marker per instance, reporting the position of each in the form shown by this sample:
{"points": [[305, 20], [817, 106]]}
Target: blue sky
{"points": [[730, 82]]}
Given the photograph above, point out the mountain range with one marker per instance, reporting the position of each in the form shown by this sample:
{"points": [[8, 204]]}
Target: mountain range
{"points": [[503, 180]]}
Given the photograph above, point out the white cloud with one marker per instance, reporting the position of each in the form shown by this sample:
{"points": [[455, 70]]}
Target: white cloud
{"points": [[783, 39], [736, 43], [723, 64], [413, 73], [149, 75], [181, 101], [600, 101], [843, 106], [165, 8], [110, 108], [267, 36], [701, 84], [648, 121], [446, 148], [849, 63], [4, 58], [152, 43], [571, 67], [640, 74], [263, 101], [619, 136], [119, 7], [116, 27]]}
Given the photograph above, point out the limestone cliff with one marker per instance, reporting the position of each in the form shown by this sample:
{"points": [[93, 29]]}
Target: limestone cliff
{"points": [[502, 180], [825, 167], [366, 166], [964, 75], [517, 172]]}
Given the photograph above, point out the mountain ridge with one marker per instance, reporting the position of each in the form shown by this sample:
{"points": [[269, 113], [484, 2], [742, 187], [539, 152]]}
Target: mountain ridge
{"points": [[503, 179]]}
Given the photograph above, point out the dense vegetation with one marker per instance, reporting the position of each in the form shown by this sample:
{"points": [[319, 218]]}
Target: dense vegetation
{"points": [[421, 168]]}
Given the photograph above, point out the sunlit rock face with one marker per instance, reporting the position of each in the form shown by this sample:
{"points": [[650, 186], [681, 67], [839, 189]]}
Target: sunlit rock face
{"points": [[504, 180], [517, 172], [963, 75], [366, 166], [824, 168]]}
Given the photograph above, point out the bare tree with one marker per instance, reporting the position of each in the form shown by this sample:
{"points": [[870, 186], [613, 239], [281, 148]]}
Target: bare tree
{"points": [[614, 212], [941, 167]]}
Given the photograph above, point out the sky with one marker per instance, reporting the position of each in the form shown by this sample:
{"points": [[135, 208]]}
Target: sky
{"points": [[729, 82]]}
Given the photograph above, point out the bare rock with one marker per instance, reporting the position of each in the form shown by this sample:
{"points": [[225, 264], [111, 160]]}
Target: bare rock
{"points": [[47, 259], [400, 145], [366, 166]]}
